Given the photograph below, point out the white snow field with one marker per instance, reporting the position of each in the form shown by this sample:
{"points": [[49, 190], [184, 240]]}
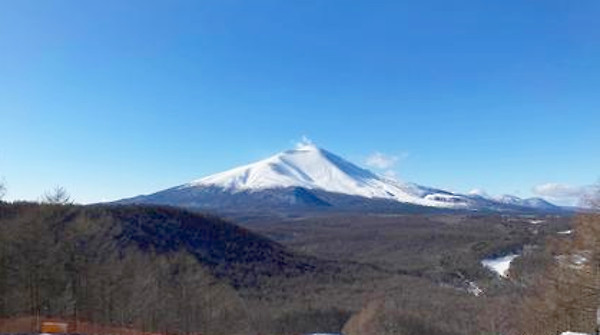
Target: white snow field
{"points": [[313, 168], [500, 265]]}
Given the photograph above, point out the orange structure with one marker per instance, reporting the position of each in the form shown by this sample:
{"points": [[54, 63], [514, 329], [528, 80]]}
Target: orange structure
{"points": [[52, 327], [35, 324]]}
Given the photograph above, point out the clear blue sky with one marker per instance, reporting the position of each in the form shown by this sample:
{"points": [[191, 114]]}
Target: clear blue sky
{"points": [[117, 98]]}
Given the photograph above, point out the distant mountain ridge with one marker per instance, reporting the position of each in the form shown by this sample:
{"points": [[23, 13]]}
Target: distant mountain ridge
{"points": [[311, 178]]}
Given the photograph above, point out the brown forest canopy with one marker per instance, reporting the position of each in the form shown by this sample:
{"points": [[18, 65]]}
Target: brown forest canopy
{"points": [[170, 270], [151, 268]]}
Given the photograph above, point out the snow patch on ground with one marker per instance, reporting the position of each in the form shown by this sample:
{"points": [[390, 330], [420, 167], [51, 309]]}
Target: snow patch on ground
{"points": [[474, 289], [565, 232], [575, 261], [500, 265]]}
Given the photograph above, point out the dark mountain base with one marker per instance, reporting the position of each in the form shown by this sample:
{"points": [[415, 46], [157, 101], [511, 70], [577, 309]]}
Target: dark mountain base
{"points": [[294, 201]]}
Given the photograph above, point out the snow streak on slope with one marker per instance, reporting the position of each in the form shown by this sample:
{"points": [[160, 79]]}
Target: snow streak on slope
{"points": [[313, 168]]}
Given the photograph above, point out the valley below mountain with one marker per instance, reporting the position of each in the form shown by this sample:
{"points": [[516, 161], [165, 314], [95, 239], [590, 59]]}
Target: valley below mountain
{"points": [[164, 269]]}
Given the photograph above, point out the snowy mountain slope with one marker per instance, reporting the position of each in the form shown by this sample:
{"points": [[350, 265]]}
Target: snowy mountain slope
{"points": [[531, 202], [309, 176], [313, 168]]}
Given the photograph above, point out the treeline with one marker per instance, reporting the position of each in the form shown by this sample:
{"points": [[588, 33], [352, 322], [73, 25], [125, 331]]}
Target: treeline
{"points": [[88, 264]]}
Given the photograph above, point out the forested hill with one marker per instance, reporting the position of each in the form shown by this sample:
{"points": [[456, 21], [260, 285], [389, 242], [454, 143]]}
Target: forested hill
{"points": [[150, 267], [228, 250]]}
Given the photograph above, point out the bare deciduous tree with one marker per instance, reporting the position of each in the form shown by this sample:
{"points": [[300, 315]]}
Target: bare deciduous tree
{"points": [[593, 199], [2, 189], [58, 195]]}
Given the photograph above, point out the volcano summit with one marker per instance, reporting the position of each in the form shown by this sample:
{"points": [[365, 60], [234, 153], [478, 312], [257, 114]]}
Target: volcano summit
{"points": [[311, 178]]}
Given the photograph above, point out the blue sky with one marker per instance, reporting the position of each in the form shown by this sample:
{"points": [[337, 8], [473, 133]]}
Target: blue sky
{"points": [[112, 99]]}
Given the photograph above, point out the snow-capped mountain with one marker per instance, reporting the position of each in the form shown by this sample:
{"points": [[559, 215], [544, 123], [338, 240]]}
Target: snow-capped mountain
{"points": [[308, 176], [530, 202], [313, 168]]}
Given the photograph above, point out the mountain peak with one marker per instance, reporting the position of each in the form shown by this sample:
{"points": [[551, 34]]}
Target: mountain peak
{"points": [[308, 168], [307, 146]]}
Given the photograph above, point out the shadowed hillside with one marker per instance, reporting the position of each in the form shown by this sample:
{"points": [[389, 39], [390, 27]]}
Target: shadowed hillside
{"points": [[228, 250], [154, 268]]}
